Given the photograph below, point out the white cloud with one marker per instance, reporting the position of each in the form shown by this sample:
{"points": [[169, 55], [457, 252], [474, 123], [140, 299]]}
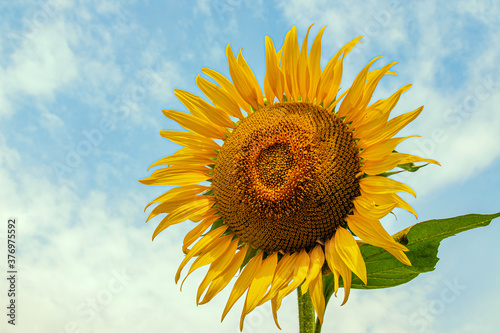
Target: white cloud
{"points": [[375, 20], [5, 105], [73, 53], [106, 7], [50, 121], [44, 63], [459, 128], [202, 7], [41, 64]]}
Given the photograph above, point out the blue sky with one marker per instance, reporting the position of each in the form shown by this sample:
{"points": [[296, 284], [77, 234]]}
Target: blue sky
{"points": [[82, 85]]}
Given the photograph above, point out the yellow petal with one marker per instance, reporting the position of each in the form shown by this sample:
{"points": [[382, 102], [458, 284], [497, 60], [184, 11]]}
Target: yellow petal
{"points": [[187, 156], [219, 97], [317, 297], [289, 63], [355, 94], [335, 83], [371, 84], [315, 63], [273, 73], [382, 150], [342, 268], [183, 191], [176, 176], [242, 82], [211, 253], [217, 267], [192, 103], [274, 306], [259, 285], [224, 277], [303, 79], [377, 114], [337, 101], [201, 215], [372, 232], [268, 91], [243, 282], [334, 267], [184, 212], [393, 127], [301, 268], [186, 151], [381, 185], [349, 252], [181, 159], [317, 259], [170, 205], [251, 77], [198, 231], [408, 158], [228, 87], [198, 248], [198, 125], [191, 140], [201, 109], [331, 76], [282, 276], [382, 199], [368, 209], [400, 255], [375, 167]]}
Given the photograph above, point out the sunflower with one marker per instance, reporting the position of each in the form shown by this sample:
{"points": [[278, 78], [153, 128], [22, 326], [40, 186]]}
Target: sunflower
{"points": [[279, 182]]}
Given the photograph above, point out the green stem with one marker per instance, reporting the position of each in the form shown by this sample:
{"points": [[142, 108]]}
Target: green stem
{"points": [[318, 327], [307, 316]]}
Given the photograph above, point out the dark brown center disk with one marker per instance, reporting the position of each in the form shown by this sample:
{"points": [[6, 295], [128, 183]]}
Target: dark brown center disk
{"points": [[286, 177]]}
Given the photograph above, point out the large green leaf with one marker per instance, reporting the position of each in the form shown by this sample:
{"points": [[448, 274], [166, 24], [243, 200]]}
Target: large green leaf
{"points": [[422, 240]]}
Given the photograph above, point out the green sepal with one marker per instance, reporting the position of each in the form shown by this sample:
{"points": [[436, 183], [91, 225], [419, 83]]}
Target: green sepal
{"points": [[250, 254], [209, 192], [389, 173], [216, 224], [411, 167]]}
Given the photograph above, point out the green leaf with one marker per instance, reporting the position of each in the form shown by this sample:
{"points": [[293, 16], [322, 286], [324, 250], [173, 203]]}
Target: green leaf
{"points": [[422, 240]]}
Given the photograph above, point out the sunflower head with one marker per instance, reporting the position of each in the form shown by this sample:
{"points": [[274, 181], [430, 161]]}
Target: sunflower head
{"points": [[295, 172], [286, 176]]}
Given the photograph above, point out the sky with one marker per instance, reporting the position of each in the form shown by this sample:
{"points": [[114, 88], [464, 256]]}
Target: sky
{"points": [[82, 85]]}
